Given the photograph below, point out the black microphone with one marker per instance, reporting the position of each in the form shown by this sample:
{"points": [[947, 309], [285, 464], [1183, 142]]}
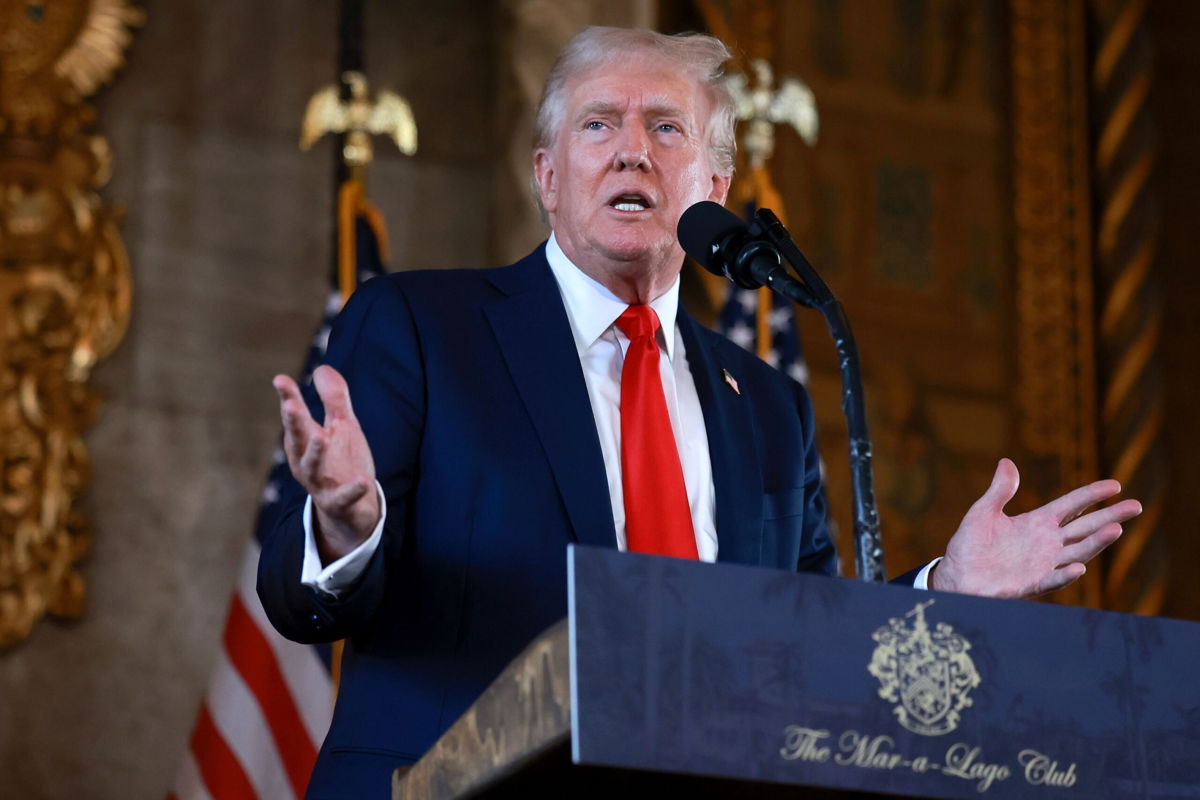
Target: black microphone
{"points": [[722, 244]]}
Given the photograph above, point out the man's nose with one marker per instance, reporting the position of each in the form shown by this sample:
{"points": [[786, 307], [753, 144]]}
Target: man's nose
{"points": [[633, 149]]}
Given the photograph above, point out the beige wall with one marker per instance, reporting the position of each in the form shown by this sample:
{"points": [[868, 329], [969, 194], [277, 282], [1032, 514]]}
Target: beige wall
{"points": [[228, 230]]}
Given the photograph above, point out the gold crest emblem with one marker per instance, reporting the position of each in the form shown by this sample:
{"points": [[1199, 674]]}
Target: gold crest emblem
{"points": [[927, 674]]}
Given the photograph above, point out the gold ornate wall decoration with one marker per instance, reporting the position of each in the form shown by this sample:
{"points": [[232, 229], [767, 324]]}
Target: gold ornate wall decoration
{"points": [[64, 290], [1130, 319], [1051, 251]]}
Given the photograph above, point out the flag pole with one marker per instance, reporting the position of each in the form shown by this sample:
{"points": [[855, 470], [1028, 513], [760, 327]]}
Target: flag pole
{"points": [[350, 59]]}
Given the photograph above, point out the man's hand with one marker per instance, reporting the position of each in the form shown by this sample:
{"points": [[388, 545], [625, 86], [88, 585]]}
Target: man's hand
{"points": [[333, 463], [996, 555]]}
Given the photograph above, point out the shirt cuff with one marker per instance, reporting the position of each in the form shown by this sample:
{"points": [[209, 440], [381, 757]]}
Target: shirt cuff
{"points": [[922, 579], [341, 574]]}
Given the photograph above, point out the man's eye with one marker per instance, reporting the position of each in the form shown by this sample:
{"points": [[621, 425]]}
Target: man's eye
{"points": [[667, 127], [595, 125]]}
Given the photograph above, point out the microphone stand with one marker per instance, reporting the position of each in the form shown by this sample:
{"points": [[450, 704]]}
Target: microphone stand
{"points": [[812, 292]]}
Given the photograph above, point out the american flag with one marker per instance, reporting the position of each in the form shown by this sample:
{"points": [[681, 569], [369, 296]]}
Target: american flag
{"points": [[739, 322], [270, 700]]}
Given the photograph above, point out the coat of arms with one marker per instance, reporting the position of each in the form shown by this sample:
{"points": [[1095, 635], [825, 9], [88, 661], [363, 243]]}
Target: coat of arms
{"points": [[928, 674]]}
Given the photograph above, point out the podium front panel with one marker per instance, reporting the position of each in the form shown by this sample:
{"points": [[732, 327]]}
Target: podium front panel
{"points": [[750, 673]]}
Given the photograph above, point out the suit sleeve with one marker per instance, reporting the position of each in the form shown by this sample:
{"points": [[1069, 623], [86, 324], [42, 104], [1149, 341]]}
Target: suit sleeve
{"points": [[374, 344]]}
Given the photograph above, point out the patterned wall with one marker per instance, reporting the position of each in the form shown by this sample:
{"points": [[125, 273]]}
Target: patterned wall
{"points": [[902, 205]]}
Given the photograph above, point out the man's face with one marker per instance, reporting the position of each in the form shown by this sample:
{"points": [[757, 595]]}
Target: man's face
{"points": [[630, 156]]}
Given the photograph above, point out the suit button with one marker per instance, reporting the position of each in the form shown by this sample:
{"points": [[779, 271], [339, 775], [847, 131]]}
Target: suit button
{"points": [[316, 621]]}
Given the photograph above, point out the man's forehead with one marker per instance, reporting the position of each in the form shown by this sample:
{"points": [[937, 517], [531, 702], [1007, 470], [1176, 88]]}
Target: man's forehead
{"points": [[617, 103], [649, 82]]}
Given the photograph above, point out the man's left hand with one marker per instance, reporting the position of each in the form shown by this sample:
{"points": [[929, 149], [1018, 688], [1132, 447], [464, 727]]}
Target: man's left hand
{"points": [[996, 555]]}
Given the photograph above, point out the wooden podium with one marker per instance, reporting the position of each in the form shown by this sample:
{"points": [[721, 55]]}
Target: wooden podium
{"points": [[723, 681]]}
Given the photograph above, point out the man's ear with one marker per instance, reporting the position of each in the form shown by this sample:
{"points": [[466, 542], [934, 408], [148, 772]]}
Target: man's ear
{"points": [[720, 188], [546, 179]]}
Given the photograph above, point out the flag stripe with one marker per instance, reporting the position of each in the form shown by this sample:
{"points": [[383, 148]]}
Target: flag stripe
{"points": [[306, 675], [255, 662], [240, 722], [219, 767]]}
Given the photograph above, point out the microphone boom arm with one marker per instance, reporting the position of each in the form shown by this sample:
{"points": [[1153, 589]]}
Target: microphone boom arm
{"points": [[812, 292]]}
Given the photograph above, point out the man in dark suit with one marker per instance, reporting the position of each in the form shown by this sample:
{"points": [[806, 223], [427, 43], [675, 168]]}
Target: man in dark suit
{"points": [[500, 414]]}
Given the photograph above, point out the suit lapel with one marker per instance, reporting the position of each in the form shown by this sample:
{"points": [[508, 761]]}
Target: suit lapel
{"points": [[731, 448], [532, 330]]}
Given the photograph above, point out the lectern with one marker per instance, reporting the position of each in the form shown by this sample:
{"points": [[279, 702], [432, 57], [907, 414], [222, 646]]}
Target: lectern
{"points": [[707, 680]]}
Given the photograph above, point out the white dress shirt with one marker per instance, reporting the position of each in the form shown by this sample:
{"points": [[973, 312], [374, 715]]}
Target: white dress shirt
{"points": [[591, 310]]}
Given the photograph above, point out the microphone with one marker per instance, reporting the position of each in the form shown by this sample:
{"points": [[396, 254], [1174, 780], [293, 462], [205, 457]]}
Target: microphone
{"points": [[722, 244]]}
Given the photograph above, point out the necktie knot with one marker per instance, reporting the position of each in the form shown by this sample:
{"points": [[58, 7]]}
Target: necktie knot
{"points": [[637, 321]]}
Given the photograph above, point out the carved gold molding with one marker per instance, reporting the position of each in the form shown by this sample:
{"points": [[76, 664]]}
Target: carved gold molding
{"points": [[64, 291], [1051, 240], [1056, 403]]}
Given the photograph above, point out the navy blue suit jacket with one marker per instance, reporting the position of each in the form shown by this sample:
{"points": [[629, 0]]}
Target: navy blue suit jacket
{"points": [[469, 389]]}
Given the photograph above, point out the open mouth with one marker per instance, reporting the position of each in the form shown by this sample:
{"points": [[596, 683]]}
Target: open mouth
{"points": [[630, 202]]}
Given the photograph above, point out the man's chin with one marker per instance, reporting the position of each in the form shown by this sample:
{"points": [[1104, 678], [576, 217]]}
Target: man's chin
{"points": [[634, 248]]}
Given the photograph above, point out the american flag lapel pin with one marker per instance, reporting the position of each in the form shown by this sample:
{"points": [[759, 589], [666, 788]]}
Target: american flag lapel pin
{"points": [[731, 381]]}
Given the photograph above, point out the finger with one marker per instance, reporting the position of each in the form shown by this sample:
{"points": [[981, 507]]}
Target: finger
{"points": [[1083, 526], [308, 471], [1062, 577], [335, 394], [1087, 549], [337, 501], [1072, 504], [1003, 487], [293, 412]]}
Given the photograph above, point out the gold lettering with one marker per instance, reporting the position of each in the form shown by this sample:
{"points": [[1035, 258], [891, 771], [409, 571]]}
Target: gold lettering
{"points": [[804, 744], [961, 763], [1041, 770], [860, 750]]}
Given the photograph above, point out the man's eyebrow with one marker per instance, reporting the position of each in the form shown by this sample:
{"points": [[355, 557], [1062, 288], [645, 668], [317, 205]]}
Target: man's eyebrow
{"points": [[601, 107], [666, 110]]}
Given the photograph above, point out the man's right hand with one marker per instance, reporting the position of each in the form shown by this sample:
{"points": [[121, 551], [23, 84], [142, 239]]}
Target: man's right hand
{"points": [[332, 462]]}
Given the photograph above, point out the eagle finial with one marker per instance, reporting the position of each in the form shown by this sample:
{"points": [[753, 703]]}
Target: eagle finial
{"points": [[763, 107], [359, 118]]}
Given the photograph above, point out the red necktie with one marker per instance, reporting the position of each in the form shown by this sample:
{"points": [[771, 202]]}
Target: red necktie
{"points": [[657, 516]]}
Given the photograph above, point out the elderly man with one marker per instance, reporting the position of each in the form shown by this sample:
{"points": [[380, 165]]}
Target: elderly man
{"points": [[501, 414]]}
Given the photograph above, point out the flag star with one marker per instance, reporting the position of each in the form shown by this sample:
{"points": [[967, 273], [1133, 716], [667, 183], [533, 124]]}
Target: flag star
{"points": [[772, 357], [270, 493], [779, 318], [742, 335], [278, 456], [748, 300], [333, 303], [321, 340], [799, 372]]}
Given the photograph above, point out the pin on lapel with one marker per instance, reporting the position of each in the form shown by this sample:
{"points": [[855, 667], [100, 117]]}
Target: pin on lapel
{"points": [[730, 380]]}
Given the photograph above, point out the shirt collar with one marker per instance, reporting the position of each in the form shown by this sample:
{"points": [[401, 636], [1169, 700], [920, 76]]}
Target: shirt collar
{"points": [[592, 307]]}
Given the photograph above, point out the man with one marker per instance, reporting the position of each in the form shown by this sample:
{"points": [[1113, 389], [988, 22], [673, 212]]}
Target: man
{"points": [[500, 414]]}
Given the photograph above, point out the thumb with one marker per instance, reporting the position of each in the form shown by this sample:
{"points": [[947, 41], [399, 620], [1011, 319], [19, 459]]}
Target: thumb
{"points": [[335, 394], [1003, 488]]}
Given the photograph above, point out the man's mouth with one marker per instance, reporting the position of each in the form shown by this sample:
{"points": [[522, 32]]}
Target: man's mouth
{"points": [[630, 202]]}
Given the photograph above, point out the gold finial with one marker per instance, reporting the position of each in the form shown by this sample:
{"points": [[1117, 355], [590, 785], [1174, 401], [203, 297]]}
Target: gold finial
{"points": [[763, 107], [359, 118]]}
